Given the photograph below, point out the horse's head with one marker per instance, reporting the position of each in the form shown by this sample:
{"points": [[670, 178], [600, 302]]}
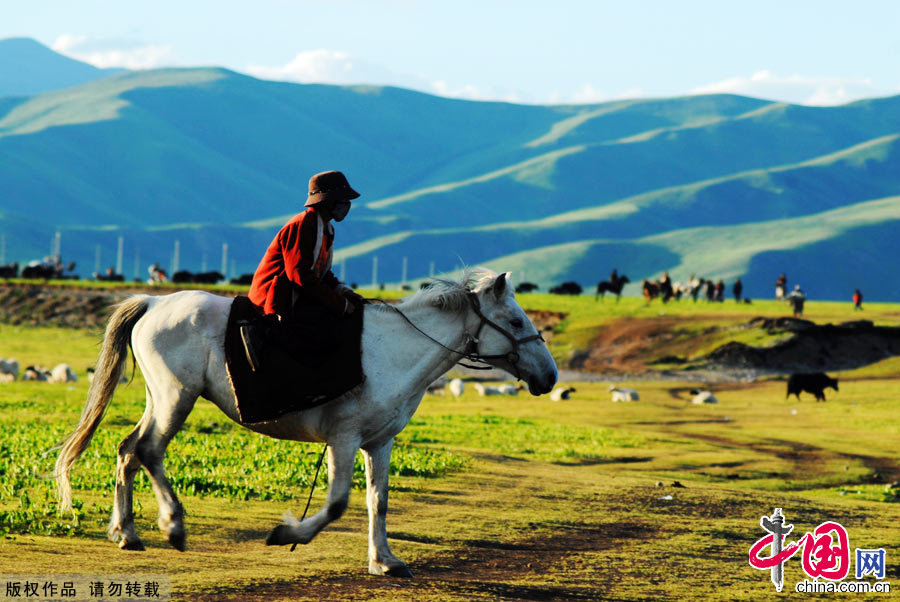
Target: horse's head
{"points": [[506, 338]]}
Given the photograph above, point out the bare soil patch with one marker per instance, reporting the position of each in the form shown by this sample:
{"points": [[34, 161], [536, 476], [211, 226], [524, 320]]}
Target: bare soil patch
{"points": [[623, 345]]}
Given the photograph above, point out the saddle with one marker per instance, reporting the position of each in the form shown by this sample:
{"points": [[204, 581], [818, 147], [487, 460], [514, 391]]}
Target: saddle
{"points": [[284, 382]]}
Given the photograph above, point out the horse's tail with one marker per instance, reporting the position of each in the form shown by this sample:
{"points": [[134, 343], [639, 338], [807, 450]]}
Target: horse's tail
{"points": [[110, 366]]}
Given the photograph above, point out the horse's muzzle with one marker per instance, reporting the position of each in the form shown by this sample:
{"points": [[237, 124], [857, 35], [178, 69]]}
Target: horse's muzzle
{"points": [[539, 384]]}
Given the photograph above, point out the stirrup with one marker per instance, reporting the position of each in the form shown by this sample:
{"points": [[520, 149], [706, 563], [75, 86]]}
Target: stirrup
{"points": [[251, 347]]}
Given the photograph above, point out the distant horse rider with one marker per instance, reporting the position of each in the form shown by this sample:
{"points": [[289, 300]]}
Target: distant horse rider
{"points": [[665, 287], [781, 287], [294, 284], [796, 299]]}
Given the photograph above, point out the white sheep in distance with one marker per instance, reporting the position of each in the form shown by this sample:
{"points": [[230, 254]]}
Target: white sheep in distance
{"points": [[561, 393], [702, 397], [484, 391], [623, 394], [62, 373], [457, 386], [511, 389]]}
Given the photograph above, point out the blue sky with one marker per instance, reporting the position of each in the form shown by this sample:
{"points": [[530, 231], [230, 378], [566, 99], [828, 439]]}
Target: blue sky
{"points": [[822, 52]]}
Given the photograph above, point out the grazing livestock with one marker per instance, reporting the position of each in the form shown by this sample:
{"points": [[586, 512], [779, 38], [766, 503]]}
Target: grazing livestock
{"points": [[9, 367], [702, 397], [36, 373], [49, 267], [623, 394], [10, 270], [814, 383], [109, 276], [485, 391], [526, 287], [184, 276], [567, 288], [6, 378], [561, 393], [62, 373], [511, 389], [457, 386]]}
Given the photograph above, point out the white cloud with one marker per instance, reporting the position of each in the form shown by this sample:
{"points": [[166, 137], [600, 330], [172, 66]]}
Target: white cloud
{"points": [[587, 94], [107, 52], [800, 89], [342, 68], [334, 67]]}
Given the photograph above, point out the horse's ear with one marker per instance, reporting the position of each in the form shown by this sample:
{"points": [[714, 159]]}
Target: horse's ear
{"points": [[499, 286]]}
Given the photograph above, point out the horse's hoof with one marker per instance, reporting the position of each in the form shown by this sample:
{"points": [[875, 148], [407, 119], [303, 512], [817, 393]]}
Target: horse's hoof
{"points": [[177, 540], [399, 571], [279, 536], [134, 545]]}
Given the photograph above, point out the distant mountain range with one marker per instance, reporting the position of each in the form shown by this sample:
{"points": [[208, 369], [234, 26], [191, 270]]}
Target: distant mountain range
{"points": [[28, 67], [721, 186]]}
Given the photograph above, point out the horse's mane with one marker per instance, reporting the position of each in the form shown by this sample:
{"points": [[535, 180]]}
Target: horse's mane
{"points": [[448, 294]]}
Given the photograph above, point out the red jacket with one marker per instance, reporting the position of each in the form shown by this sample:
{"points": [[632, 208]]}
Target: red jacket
{"points": [[300, 254]]}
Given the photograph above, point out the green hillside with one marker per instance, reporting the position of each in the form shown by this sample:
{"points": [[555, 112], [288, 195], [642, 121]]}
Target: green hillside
{"points": [[208, 156]]}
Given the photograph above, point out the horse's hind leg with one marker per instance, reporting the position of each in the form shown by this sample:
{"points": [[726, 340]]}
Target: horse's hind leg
{"points": [[121, 526], [170, 410]]}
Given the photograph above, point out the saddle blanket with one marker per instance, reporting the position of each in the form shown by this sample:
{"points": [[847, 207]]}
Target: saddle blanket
{"points": [[285, 383]]}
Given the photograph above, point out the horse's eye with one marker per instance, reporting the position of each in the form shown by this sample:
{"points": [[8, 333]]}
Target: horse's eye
{"points": [[516, 323]]}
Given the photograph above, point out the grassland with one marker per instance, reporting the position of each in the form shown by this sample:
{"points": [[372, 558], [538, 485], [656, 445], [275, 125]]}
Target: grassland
{"points": [[491, 498]]}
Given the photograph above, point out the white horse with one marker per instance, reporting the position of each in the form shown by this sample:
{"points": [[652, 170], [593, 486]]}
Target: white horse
{"points": [[177, 341]]}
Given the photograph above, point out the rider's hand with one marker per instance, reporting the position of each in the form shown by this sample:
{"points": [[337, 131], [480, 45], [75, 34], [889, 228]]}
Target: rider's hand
{"points": [[354, 298], [350, 309]]}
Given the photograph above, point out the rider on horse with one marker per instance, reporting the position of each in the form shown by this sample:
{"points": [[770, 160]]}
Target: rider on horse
{"points": [[294, 283]]}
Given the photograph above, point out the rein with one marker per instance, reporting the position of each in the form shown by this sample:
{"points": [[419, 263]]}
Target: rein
{"points": [[312, 488], [470, 353]]}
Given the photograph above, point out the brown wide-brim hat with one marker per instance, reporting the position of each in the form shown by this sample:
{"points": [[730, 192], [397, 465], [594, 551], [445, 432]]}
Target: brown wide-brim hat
{"points": [[330, 187]]}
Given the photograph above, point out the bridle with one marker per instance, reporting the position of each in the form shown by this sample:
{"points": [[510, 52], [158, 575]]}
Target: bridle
{"points": [[470, 352], [511, 356]]}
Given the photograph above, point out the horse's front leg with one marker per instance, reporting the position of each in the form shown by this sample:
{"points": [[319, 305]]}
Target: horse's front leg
{"points": [[340, 475], [381, 560]]}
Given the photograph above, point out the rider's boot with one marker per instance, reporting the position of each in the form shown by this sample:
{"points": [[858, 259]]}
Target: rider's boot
{"points": [[254, 339]]}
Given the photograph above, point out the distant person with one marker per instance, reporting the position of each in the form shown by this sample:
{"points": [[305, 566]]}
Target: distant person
{"points": [[696, 283], [157, 274], [665, 287], [720, 291], [737, 289], [780, 287], [857, 300], [797, 299]]}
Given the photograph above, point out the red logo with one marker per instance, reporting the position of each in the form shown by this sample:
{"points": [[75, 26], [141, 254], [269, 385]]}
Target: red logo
{"points": [[826, 552]]}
